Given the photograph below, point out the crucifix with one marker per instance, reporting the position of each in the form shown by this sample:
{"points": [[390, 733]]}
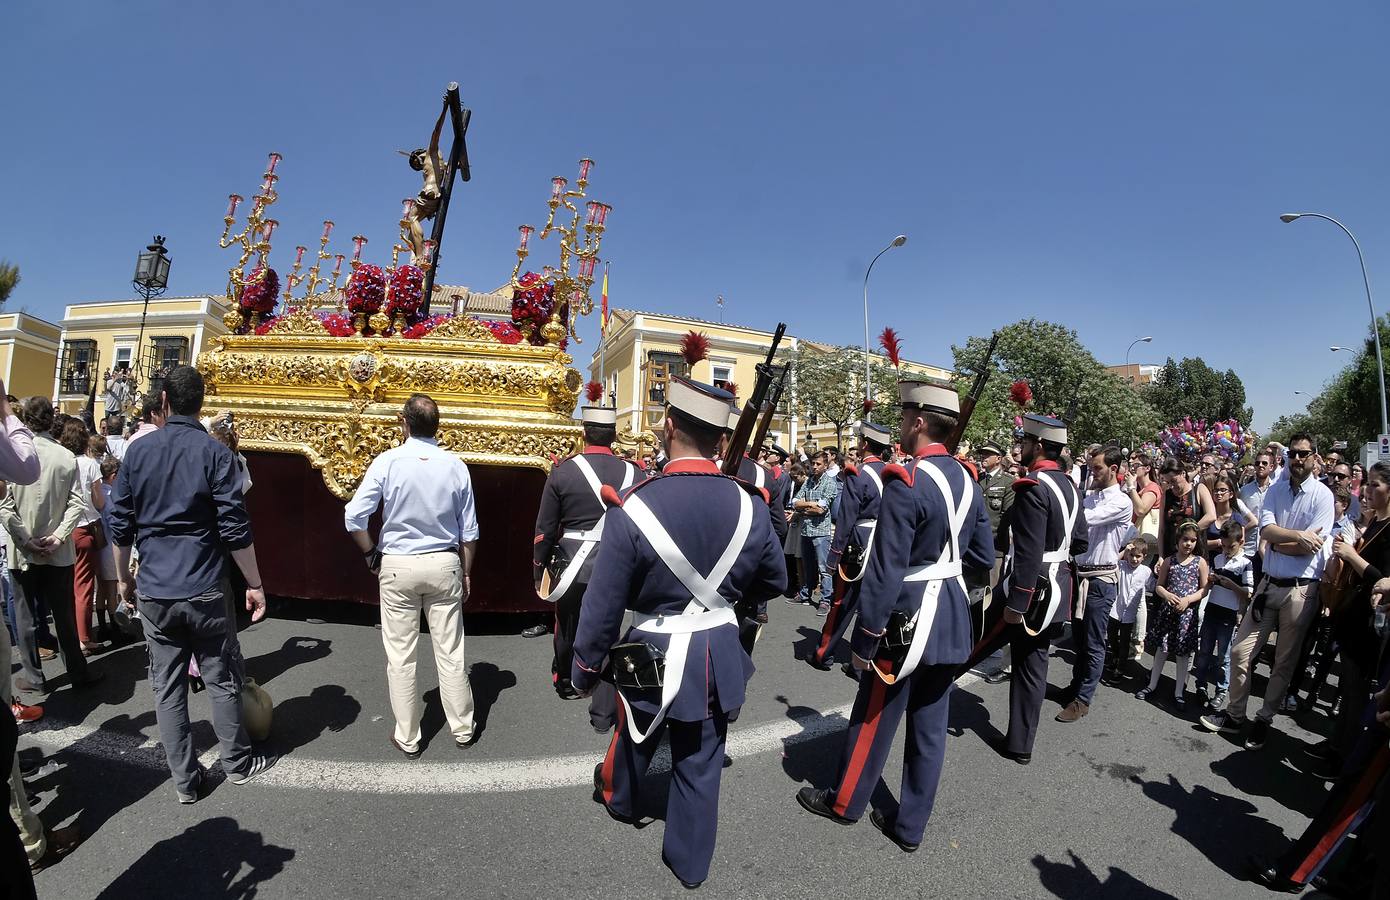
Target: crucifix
{"points": [[433, 200]]}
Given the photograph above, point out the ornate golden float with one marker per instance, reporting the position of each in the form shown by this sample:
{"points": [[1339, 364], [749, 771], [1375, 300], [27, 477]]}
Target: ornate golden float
{"points": [[316, 392]]}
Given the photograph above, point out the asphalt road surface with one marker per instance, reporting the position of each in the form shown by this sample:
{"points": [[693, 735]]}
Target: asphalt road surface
{"points": [[1133, 801]]}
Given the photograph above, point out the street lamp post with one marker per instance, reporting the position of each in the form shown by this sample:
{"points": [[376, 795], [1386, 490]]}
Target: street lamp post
{"points": [[1142, 340], [151, 279], [1375, 326], [897, 242], [1334, 348]]}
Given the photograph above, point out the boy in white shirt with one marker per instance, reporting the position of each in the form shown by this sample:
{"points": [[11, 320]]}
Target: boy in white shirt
{"points": [[1134, 578], [1232, 580]]}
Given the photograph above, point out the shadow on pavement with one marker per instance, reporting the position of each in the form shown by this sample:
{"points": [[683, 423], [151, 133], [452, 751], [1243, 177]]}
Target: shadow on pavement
{"points": [[1074, 880], [1223, 827], [814, 761], [299, 721], [296, 651], [487, 681], [968, 713], [185, 861]]}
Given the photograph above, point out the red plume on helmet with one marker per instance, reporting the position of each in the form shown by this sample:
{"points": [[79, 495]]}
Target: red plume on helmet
{"points": [[593, 392], [868, 405], [1020, 393], [888, 340], [694, 347]]}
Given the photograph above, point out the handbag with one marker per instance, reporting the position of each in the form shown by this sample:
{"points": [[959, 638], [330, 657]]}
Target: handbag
{"points": [[98, 534], [897, 639]]}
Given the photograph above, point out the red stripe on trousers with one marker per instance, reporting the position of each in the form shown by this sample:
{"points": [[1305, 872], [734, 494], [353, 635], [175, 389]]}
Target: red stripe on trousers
{"points": [[867, 729], [610, 758], [836, 605], [1375, 770]]}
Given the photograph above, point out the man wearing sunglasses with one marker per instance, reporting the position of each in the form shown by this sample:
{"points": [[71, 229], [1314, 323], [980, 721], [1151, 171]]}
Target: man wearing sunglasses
{"points": [[1297, 517]]}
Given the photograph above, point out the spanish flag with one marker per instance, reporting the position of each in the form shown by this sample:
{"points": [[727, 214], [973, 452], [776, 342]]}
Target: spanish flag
{"points": [[603, 309]]}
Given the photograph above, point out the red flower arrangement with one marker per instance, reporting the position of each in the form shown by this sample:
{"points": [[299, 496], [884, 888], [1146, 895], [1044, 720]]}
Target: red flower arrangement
{"points": [[532, 305], [423, 327], [339, 325], [366, 289], [505, 332], [260, 293], [405, 292], [266, 324]]}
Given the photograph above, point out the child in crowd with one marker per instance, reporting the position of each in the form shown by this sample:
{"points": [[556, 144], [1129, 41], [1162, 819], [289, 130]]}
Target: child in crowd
{"points": [[1129, 598], [106, 583], [1232, 579], [1182, 583]]}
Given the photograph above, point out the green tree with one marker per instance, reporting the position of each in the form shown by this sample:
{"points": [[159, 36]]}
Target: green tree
{"points": [[9, 278], [1348, 408], [1193, 388], [1060, 371], [829, 385]]}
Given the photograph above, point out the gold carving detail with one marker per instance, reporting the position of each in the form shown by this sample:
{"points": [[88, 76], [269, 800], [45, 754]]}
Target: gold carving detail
{"points": [[300, 321]]}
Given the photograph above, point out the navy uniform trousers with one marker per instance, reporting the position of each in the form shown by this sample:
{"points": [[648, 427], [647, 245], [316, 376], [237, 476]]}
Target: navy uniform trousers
{"points": [[924, 698], [692, 806], [842, 609], [1028, 687], [603, 704]]}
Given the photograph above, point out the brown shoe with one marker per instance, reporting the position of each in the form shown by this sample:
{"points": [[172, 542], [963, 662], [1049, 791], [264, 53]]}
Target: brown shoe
{"points": [[1074, 710], [61, 842], [46, 654]]}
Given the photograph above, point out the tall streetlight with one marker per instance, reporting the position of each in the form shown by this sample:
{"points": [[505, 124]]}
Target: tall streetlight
{"points": [[1334, 348], [151, 279], [1142, 340], [1375, 327], [897, 242]]}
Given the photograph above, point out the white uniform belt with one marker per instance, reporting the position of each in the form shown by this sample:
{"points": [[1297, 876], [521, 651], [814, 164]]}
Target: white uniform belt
{"points": [[1055, 556], [866, 522], [593, 534], [938, 571], [684, 623]]}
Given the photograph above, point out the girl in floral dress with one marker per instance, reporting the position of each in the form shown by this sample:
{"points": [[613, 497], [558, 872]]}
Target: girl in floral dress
{"points": [[1182, 583]]}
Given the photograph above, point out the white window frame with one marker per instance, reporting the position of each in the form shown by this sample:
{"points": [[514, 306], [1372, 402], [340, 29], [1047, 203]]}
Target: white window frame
{"points": [[717, 368]]}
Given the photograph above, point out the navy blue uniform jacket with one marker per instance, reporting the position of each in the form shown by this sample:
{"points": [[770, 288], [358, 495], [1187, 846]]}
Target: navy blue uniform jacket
{"points": [[569, 504], [699, 509], [859, 499], [1035, 523], [913, 530], [760, 476]]}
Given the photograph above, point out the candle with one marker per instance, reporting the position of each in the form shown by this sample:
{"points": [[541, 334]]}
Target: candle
{"points": [[327, 230], [603, 210], [299, 255], [233, 201], [584, 165], [407, 207], [268, 185], [428, 252], [357, 242], [557, 184], [337, 265], [586, 267], [268, 228], [592, 207], [525, 235], [274, 161]]}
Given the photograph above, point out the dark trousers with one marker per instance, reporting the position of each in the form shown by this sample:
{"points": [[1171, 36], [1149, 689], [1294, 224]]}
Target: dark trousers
{"points": [[1317, 646], [924, 698], [15, 880], [1355, 684], [843, 606], [175, 631], [692, 806], [1028, 687], [1347, 806], [1088, 636], [1214, 647], [1121, 636], [52, 585], [566, 626]]}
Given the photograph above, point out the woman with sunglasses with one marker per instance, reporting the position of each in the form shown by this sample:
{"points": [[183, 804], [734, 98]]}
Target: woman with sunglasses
{"points": [[1229, 508]]}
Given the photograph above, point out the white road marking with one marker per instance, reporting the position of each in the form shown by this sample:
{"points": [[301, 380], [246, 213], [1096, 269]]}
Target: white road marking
{"points": [[415, 777]]}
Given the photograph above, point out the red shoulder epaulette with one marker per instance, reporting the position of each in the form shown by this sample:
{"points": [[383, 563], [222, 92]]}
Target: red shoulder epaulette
{"points": [[776, 471], [752, 488], [1021, 483], [969, 467], [851, 470], [609, 495], [893, 470]]}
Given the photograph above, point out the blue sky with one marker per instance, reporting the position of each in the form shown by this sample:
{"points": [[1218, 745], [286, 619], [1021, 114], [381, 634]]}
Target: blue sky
{"points": [[1113, 166]]}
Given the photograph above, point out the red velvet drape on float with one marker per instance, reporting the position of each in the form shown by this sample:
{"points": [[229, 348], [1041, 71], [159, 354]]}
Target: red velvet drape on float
{"points": [[304, 551]]}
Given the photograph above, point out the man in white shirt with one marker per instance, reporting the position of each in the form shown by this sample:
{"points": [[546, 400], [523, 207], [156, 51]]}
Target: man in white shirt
{"points": [[428, 536], [113, 427], [1253, 495], [1297, 518], [1109, 523]]}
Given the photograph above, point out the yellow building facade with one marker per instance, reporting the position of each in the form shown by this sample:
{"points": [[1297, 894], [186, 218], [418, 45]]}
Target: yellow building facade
{"points": [[642, 350], [28, 353]]}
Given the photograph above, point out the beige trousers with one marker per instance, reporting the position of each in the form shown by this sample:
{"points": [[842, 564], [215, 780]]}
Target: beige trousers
{"points": [[432, 582], [1288, 610], [30, 828]]}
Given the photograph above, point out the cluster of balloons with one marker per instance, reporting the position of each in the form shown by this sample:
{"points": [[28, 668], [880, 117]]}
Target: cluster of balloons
{"points": [[1189, 439]]}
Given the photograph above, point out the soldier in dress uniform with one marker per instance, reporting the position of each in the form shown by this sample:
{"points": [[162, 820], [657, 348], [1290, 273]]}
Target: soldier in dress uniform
{"points": [[568, 528], [998, 486], [682, 593], [854, 531], [1044, 527], [913, 630], [762, 478]]}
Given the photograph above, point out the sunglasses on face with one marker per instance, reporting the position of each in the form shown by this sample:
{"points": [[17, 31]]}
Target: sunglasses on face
{"points": [[1300, 454], [1338, 476]]}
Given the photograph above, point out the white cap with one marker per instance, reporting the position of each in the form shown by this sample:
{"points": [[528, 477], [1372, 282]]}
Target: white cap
{"points": [[876, 433], [598, 415], [734, 416], [1045, 428], [700, 402], [932, 396]]}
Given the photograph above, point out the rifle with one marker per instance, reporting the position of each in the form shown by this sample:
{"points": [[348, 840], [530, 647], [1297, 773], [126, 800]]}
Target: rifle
{"points": [[967, 405], [748, 419], [770, 408]]}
